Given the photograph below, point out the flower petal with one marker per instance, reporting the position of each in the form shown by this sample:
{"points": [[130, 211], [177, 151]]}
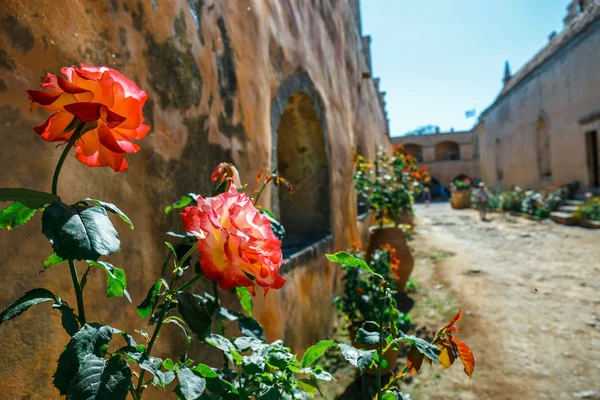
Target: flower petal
{"points": [[53, 130], [92, 153], [85, 111], [108, 140]]}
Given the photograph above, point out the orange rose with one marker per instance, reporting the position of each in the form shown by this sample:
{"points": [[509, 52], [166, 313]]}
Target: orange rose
{"points": [[235, 241], [102, 97]]}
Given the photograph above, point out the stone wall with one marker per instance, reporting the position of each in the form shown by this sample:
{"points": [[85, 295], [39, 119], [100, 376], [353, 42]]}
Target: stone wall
{"points": [[563, 90], [214, 70]]}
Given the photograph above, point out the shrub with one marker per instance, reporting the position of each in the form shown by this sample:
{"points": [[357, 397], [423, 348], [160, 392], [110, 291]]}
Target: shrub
{"points": [[590, 210]]}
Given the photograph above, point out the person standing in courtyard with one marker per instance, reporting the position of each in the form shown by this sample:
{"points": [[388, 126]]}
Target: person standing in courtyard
{"points": [[482, 200], [426, 196]]}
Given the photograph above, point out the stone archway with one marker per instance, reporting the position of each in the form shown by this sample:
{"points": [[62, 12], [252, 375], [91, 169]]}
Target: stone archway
{"points": [[447, 150], [301, 155]]}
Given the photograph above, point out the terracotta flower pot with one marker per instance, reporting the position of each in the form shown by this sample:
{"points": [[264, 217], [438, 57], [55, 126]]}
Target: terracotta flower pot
{"points": [[397, 239], [391, 356], [461, 198]]}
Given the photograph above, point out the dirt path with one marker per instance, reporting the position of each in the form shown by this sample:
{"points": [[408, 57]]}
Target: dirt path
{"points": [[531, 296]]}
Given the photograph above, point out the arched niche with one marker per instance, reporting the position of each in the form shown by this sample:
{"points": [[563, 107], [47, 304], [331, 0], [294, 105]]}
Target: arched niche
{"points": [[543, 146], [301, 155], [447, 150]]}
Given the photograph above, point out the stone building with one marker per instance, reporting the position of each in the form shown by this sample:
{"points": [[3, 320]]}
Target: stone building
{"points": [[280, 83], [448, 155], [543, 127]]}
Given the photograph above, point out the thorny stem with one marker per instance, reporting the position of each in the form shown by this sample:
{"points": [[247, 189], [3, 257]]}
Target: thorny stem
{"points": [[78, 292]]}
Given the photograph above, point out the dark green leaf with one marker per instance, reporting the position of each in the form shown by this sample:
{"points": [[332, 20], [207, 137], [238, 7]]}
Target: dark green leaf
{"points": [[220, 343], [368, 334], [14, 215], [280, 359], [245, 299], [194, 314], [270, 394], [147, 363], [244, 343], [91, 339], [183, 202], [222, 187], [147, 306], [31, 298], [117, 282], [424, 347], [252, 328], [79, 233], [359, 358], [113, 209], [341, 257], [395, 395], [314, 352], [99, 379], [205, 371], [30, 198], [52, 260], [69, 321], [229, 315], [191, 385]]}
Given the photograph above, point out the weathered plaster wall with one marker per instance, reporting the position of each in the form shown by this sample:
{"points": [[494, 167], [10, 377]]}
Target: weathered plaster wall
{"points": [[212, 70], [565, 88], [445, 170]]}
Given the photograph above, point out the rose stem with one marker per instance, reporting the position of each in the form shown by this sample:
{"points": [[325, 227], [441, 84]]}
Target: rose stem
{"points": [[63, 156], [78, 292], [161, 317]]}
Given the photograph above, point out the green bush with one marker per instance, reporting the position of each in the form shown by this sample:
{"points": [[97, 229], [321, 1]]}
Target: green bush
{"points": [[590, 210]]}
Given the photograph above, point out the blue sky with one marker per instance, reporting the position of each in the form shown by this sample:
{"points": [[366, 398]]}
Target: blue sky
{"points": [[439, 58]]}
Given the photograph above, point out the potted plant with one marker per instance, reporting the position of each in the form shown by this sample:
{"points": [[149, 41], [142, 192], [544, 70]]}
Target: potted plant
{"points": [[359, 301], [461, 195], [387, 186]]}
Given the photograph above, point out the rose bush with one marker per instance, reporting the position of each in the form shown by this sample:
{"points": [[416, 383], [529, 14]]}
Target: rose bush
{"points": [[235, 240], [110, 106]]}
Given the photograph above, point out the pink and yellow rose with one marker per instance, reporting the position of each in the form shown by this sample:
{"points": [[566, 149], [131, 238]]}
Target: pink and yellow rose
{"points": [[235, 242]]}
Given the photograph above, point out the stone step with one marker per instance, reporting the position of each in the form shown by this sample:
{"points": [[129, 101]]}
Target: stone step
{"points": [[563, 218], [567, 209], [588, 223], [574, 202]]}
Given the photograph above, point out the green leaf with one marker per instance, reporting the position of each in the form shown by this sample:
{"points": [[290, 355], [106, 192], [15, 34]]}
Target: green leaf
{"points": [[147, 363], [205, 371], [252, 328], [146, 307], [343, 258], [79, 233], [424, 347], [244, 343], [280, 359], [69, 321], [116, 279], [183, 202], [194, 314], [91, 339], [29, 198], [31, 298], [368, 334], [229, 315], [394, 394], [52, 260], [169, 364], [191, 385], [220, 342], [245, 299], [181, 324], [269, 394], [14, 215], [314, 352], [359, 358], [99, 379], [113, 209]]}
